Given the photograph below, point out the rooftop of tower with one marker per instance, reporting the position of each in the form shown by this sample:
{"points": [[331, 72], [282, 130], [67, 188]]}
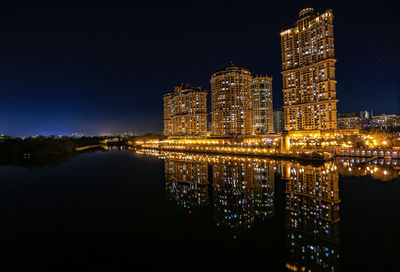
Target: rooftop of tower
{"points": [[183, 88], [305, 12], [231, 68]]}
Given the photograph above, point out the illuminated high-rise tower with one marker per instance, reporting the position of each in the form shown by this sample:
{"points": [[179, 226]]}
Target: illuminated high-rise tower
{"points": [[185, 111], [262, 110], [308, 71], [231, 102]]}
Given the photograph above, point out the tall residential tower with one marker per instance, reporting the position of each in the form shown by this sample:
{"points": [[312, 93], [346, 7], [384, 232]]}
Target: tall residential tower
{"points": [[231, 102], [308, 71], [262, 111], [185, 111]]}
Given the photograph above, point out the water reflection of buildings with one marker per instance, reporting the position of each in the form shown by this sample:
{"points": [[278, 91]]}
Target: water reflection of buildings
{"points": [[242, 191], [264, 190], [186, 182], [118, 148], [233, 195], [312, 216], [379, 169]]}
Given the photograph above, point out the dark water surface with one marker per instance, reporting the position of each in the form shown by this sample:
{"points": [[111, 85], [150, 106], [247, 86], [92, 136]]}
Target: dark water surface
{"points": [[111, 211]]}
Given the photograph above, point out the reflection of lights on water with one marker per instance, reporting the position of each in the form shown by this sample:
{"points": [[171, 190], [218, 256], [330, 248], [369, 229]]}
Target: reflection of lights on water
{"points": [[345, 166]]}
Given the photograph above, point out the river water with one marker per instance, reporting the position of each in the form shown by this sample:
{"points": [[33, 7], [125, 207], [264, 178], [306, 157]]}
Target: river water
{"points": [[113, 210]]}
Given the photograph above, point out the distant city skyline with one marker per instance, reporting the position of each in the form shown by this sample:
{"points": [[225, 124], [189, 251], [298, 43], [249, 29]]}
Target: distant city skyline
{"points": [[103, 69]]}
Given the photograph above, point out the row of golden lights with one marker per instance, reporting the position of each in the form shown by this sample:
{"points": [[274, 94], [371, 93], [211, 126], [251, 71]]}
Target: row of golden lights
{"points": [[388, 172], [243, 150], [296, 140], [345, 168], [205, 158]]}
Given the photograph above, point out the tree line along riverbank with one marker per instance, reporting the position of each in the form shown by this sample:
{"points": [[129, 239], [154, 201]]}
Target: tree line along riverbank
{"points": [[37, 152]]}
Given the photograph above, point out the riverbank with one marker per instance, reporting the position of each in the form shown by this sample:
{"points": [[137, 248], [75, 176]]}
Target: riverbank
{"points": [[37, 152], [268, 147], [88, 147], [318, 156]]}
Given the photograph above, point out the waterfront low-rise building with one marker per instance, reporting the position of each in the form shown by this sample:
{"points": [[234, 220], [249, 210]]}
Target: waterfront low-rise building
{"points": [[389, 122], [355, 120], [366, 120]]}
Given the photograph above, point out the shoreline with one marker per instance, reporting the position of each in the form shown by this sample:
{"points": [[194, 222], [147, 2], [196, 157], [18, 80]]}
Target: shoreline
{"points": [[263, 155]]}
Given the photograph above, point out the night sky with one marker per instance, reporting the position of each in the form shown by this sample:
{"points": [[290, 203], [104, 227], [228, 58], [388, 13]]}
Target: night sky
{"points": [[103, 67]]}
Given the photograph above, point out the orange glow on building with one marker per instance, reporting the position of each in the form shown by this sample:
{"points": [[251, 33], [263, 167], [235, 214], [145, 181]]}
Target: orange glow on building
{"points": [[231, 102], [262, 110], [185, 111], [308, 72]]}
